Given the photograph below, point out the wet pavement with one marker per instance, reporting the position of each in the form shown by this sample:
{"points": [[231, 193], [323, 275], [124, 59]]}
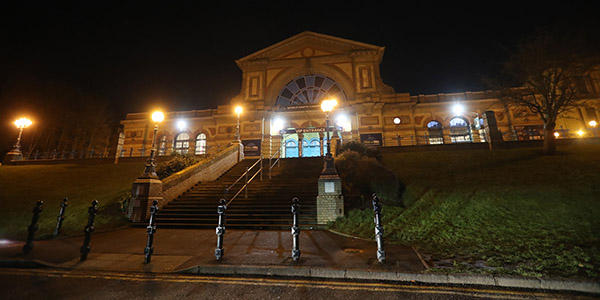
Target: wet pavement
{"points": [[181, 249]]}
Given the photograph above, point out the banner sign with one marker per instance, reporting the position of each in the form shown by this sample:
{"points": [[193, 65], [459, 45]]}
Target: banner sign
{"points": [[251, 147], [371, 139]]}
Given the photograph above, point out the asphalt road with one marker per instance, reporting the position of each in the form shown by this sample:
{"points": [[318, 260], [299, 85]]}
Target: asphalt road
{"points": [[68, 284]]}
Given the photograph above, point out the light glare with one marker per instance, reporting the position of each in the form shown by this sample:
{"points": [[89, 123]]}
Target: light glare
{"points": [[458, 109], [23, 123], [181, 124], [328, 105], [158, 116], [239, 110]]}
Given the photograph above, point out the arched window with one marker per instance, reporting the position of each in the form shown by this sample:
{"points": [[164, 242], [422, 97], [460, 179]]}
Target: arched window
{"points": [[459, 130], [291, 148], [310, 89], [201, 144], [162, 145], [436, 134], [182, 143]]}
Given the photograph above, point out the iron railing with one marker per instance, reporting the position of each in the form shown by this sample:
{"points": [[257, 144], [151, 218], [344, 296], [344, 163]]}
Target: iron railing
{"points": [[246, 182], [271, 165]]}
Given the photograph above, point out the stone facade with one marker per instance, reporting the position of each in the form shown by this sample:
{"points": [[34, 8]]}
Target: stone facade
{"points": [[283, 84]]}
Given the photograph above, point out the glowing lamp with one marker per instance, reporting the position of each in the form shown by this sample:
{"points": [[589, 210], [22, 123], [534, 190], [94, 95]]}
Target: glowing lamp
{"points": [[556, 134], [593, 123], [158, 116], [397, 121], [458, 109], [580, 132], [238, 110], [23, 123], [328, 105], [181, 124]]}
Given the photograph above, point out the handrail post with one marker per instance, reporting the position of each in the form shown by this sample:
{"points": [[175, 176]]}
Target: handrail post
{"points": [[270, 167], [246, 185], [261, 167]]}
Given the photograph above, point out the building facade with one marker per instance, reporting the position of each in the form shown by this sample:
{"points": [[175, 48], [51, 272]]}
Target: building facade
{"points": [[283, 86]]}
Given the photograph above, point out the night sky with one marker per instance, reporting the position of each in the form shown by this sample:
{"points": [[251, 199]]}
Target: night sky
{"points": [[181, 53]]}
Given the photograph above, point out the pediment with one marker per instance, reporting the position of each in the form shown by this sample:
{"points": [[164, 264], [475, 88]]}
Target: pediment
{"points": [[309, 44]]}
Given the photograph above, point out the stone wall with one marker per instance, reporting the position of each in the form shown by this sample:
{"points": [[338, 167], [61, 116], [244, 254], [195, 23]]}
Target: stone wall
{"points": [[180, 182], [330, 202]]}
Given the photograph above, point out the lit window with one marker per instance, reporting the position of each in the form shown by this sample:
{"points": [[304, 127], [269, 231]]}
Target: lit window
{"points": [[201, 144], [436, 135], [182, 143], [162, 147], [459, 130]]}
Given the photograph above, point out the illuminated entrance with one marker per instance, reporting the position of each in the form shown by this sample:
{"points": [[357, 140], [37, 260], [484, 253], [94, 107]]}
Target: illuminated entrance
{"points": [[311, 145]]}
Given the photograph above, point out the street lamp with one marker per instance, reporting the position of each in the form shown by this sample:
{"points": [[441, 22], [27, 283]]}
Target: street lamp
{"points": [[150, 170], [238, 111], [327, 106], [16, 154]]}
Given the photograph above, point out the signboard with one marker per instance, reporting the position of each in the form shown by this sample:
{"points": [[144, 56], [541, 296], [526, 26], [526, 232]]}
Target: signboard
{"points": [[307, 130], [371, 139], [251, 147]]}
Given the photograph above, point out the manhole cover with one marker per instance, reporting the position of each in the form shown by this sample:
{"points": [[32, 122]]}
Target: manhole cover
{"points": [[353, 251]]}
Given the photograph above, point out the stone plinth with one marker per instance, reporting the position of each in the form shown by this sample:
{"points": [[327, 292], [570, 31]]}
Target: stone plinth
{"points": [[143, 192], [494, 135], [13, 155], [330, 202]]}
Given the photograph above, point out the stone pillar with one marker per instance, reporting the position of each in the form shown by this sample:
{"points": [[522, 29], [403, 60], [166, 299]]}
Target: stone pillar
{"points": [[321, 144], [300, 140], [330, 202], [143, 192], [494, 136]]}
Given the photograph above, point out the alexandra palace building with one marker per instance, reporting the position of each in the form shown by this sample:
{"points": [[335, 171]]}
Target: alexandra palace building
{"points": [[284, 84]]}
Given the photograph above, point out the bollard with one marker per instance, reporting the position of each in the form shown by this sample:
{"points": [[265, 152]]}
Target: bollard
{"points": [[295, 229], [37, 209], [151, 231], [219, 251], [378, 229], [61, 216], [85, 249]]}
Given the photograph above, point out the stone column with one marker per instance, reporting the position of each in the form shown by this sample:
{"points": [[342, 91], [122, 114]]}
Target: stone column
{"points": [[330, 202], [494, 136], [143, 192], [300, 140]]}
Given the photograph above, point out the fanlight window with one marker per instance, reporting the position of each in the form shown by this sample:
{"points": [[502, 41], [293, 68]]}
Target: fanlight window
{"points": [[201, 144], [310, 89], [182, 143]]}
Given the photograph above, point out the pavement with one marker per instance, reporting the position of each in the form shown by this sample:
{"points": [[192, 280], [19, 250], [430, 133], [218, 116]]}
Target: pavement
{"points": [[324, 254]]}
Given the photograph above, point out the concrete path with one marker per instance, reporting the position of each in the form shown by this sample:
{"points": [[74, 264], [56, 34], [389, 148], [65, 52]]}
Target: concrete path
{"points": [[265, 253]]}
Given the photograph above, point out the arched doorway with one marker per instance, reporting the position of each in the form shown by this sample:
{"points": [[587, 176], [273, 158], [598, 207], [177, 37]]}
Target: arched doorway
{"points": [[435, 133], [460, 131], [291, 148]]}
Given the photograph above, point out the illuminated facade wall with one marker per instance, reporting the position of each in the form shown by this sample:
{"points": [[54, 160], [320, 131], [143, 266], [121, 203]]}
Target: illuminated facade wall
{"points": [[283, 85]]}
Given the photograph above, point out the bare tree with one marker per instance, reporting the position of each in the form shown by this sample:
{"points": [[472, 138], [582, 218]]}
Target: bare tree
{"points": [[544, 75]]}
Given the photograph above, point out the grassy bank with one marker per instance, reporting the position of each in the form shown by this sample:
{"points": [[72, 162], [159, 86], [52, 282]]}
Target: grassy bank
{"points": [[509, 211], [22, 186]]}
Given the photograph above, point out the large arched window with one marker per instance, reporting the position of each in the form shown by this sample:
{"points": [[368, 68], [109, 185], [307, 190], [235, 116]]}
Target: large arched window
{"points": [[310, 89], [162, 145], [200, 144], [182, 143], [436, 134], [459, 130]]}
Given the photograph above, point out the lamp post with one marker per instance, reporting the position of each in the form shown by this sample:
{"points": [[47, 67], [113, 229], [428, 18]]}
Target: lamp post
{"points": [[238, 111], [327, 106], [16, 154], [150, 170]]}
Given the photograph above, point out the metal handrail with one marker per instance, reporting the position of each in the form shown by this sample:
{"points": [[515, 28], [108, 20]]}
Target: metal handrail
{"points": [[247, 181], [276, 161]]}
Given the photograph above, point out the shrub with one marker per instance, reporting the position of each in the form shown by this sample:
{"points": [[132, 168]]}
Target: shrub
{"points": [[174, 165], [361, 149], [362, 176]]}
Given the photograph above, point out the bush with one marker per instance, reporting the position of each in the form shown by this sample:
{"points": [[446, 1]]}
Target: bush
{"points": [[174, 165], [362, 176], [361, 149]]}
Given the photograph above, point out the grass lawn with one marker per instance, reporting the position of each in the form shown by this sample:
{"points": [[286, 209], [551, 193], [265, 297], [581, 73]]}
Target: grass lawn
{"points": [[22, 186], [508, 211]]}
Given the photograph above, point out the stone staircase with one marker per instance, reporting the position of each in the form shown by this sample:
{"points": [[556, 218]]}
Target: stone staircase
{"points": [[268, 205]]}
